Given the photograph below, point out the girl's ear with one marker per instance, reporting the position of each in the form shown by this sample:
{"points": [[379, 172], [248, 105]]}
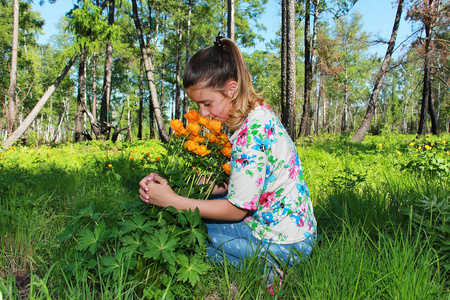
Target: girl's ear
{"points": [[231, 88]]}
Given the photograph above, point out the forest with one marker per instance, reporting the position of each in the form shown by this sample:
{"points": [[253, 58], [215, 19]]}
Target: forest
{"points": [[114, 69], [88, 115]]}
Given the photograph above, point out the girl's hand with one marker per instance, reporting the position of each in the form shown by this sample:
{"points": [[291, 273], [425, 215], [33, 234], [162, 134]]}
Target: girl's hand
{"points": [[155, 190]]}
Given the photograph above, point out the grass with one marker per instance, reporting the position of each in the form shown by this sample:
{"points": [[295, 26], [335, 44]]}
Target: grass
{"points": [[374, 241]]}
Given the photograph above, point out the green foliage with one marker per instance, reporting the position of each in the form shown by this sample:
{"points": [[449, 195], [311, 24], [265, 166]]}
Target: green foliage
{"points": [[427, 157], [382, 231], [430, 218], [144, 243]]}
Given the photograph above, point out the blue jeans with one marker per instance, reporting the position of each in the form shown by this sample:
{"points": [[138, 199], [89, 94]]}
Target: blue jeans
{"points": [[236, 242]]}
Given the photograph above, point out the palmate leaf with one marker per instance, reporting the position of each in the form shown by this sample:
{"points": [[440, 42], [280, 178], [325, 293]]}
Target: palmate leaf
{"points": [[138, 222], [190, 269], [132, 242], [197, 235], [117, 264], [159, 246], [92, 240]]}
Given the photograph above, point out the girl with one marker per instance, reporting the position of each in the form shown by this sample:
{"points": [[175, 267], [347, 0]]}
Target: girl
{"points": [[267, 207]]}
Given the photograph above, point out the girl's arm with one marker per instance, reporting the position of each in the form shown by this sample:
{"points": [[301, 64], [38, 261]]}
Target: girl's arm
{"points": [[155, 190]]}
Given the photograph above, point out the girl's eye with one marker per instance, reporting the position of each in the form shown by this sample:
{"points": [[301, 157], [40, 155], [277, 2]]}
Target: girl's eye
{"points": [[206, 104]]}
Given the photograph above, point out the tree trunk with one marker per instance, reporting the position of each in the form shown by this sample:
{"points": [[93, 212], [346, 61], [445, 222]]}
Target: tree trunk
{"points": [[12, 104], [106, 90], [291, 70], [178, 74], [362, 130], [284, 115], [94, 87], [290, 101], [427, 101], [149, 69], [305, 123], [141, 100], [130, 135], [35, 111], [230, 21], [188, 36], [79, 126]]}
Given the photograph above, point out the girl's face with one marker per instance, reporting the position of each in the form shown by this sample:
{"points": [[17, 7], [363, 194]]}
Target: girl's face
{"points": [[213, 104]]}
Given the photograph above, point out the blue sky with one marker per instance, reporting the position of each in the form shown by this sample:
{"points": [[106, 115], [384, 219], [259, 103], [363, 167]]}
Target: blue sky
{"points": [[378, 19]]}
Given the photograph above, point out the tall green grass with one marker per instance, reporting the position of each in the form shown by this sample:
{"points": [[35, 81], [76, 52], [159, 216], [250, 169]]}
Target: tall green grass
{"points": [[378, 233]]}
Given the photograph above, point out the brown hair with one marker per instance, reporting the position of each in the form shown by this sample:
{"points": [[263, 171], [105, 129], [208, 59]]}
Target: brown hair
{"points": [[212, 67]]}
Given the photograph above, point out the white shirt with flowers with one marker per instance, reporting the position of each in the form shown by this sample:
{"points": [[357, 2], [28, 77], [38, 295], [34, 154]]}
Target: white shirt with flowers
{"points": [[267, 179]]}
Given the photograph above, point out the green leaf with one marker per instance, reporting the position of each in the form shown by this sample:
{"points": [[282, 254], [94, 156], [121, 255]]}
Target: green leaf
{"points": [[117, 264], [132, 242], [92, 240], [159, 246], [138, 222], [190, 269]]}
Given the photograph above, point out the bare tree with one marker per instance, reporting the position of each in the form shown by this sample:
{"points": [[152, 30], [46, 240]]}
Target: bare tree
{"points": [[361, 132]]}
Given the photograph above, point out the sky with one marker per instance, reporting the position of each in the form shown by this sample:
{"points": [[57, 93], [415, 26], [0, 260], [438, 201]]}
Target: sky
{"points": [[378, 19]]}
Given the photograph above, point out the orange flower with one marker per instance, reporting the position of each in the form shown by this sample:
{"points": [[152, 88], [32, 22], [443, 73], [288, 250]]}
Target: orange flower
{"points": [[176, 125], [191, 145], [193, 128], [198, 139], [215, 126], [227, 144], [192, 116], [109, 165], [202, 150], [184, 132], [142, 158], [203, 121], [222, 139], [148, 154], [227, 168], [158, 158], [211, 137], [131, 158], [227, 151]]}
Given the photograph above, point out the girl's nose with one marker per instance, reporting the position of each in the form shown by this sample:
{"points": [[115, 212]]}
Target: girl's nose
{"points": [[204, 112]]}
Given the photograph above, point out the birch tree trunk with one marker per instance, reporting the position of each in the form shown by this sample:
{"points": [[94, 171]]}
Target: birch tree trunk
{"points": [[149, 70], [188, 36], [35, 111], [230, 21]]}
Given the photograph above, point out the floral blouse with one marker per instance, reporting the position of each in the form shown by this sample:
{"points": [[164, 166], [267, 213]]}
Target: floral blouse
{"points": [[267, 179]]}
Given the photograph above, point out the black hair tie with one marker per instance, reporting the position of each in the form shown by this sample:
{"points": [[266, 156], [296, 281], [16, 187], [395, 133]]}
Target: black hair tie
{"points": [[218, 41]]}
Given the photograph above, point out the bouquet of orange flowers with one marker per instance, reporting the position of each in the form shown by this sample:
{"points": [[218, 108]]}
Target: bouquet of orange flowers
{"points": [[197, 156]]}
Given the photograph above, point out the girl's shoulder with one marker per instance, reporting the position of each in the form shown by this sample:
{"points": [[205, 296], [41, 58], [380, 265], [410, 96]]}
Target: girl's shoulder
{"points": [[261, 114]]}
